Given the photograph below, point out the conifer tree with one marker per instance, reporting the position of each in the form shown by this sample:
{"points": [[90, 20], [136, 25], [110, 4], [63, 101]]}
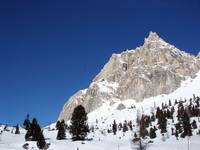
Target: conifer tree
{"points": [[130, 125], [162, 121], [57, 124], [114, 127], [34, 132], [27, 122], [61, 131], [35, 129], [41, 143], [197, 101], [135, 135], [120, 126], [27, 126], [170, 103], [79, 127], [158, 111], [17, 129], [172, 131], [152, 117], [187, 129], [125, 127], [152, 133], [142, 128]]}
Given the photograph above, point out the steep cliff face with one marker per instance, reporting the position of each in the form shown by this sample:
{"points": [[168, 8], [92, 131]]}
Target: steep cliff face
{"points": [[150, 70]]}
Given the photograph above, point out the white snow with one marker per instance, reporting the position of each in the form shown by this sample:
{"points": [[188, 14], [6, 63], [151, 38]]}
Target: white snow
{"points": [[104, 116]]}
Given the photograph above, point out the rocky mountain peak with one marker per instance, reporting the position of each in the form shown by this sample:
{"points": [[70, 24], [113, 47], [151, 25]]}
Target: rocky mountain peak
{"points": [[153, 36], [152, 69], [154, 42]]}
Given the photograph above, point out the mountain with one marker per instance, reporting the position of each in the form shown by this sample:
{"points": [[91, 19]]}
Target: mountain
{"points": [[153, 69]]}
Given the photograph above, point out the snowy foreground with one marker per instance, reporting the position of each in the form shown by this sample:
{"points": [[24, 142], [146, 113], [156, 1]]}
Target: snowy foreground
{"points": [[103, 117], [100, 142]]}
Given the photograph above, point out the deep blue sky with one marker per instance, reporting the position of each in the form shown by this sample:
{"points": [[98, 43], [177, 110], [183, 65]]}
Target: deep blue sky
{"points": [[51, 49]]}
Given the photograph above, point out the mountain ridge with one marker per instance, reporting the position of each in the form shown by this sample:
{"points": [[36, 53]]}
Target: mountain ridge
{"points": [[152, 69]]}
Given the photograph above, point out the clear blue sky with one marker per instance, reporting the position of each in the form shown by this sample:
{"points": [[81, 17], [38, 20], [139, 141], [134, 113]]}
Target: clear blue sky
{"points": [[51, 49]]}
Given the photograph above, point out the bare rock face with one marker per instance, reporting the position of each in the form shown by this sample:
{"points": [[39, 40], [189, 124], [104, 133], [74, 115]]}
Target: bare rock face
{"points": [[150, 70], [121, 106]]}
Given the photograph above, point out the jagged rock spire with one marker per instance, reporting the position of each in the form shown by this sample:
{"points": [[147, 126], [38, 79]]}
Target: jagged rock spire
{"points": [[153, 36], [153, 41]]}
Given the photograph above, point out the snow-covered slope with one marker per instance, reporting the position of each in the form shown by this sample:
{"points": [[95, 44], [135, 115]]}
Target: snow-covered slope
{"points": [[103, 117], [109, 111]]}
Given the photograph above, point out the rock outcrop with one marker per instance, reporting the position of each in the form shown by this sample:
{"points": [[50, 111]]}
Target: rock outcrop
{"points": [[150, 70]]}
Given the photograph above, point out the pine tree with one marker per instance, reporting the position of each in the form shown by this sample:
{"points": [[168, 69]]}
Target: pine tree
{"points": [[142, 129], [158, 111], [163, 105], [27, 122], [135, 135], [125, 127], [36, 130], [162, 121], [33, 131], [172, 131], [152, 117], [130, 125], [61, 131], [17, 129], [114, 127], [163, 125], [27, 126], [175, 102], [170, 103], [41, 143], [79, 127], [187, 129], [176, 134], [152, 133], [57, 124], [197, 101], [120, 126]]}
